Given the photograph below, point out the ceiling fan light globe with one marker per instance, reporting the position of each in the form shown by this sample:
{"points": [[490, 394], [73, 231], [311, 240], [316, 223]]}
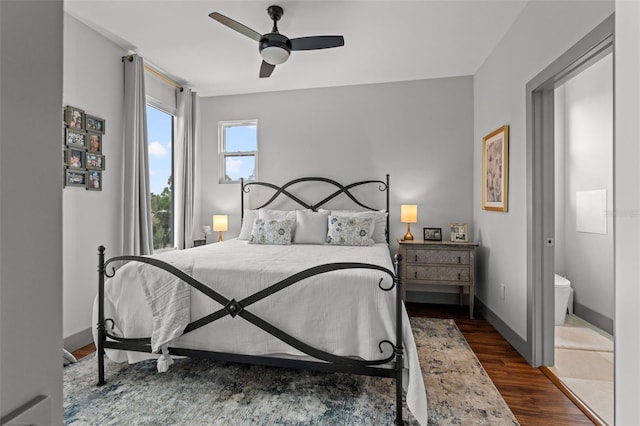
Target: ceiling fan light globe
{"points": [[274, 55]]}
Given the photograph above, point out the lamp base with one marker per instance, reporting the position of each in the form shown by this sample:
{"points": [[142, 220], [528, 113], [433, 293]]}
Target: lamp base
{"points": [[220, 236], [408, 236]]}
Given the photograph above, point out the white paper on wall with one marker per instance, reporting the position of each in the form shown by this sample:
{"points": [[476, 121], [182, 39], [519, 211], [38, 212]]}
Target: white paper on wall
{"points": [[591, 211]]}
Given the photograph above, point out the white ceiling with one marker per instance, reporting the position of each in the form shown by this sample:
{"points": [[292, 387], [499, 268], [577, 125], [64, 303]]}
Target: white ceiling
{"points": [[384, 40]]}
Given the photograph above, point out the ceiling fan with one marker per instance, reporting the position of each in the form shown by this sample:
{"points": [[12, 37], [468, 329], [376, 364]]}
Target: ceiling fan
{"points": [[274, 47]]}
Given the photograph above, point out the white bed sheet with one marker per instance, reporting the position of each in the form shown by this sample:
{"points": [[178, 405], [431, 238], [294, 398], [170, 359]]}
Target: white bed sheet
{"points": [[341, 312]]}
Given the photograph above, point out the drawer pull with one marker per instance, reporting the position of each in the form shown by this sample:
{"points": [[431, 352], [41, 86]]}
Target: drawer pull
{"points": [[416, 258], [458, 276], [459, 261], [415, 274]]}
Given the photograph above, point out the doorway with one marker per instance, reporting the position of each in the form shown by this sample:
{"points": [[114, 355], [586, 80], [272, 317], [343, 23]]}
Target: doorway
{"points": [[542, 232], [583, 249]]}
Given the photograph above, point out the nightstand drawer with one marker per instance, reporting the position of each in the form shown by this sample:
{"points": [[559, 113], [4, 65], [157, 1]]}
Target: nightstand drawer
{"points": [[438, 273], [447, 257]]}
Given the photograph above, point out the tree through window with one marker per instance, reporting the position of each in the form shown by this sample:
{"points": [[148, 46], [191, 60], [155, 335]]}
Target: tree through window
{"points": [[160, 140]]}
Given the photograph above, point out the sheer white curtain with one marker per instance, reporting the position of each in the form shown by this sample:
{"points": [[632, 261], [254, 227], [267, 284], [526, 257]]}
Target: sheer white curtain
{"points": [[184, 178], [137, 235]]}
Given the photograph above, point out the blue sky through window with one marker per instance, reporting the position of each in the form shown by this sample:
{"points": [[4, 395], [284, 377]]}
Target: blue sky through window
{"points": [[159, 133]]}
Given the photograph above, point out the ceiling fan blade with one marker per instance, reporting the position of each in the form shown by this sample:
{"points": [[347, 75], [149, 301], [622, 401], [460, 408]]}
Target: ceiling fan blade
{"points": [[316, 42], [266, 69], [242, 29]]}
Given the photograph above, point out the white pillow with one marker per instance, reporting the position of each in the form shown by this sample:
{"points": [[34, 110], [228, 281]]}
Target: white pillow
{"points": [[349, 230], [378, 223], [248, 219], [272, 232], [268, 214], [311, 227]]}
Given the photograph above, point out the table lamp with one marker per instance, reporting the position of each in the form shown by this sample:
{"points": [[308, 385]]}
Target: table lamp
{"points": [[408, 215], [220, 224]]}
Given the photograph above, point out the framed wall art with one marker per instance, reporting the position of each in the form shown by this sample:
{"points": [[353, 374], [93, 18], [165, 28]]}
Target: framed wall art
{"points": [[95, 124], [432, 234], [95, 161], [75, 178], [82, 159], [459, 232], [495, 170], [74, 138], [76, 158], [74, 118], [94, 143], [94, 180]]}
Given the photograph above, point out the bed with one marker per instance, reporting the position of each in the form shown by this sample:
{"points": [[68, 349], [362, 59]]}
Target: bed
{"points": [[296, 303]]}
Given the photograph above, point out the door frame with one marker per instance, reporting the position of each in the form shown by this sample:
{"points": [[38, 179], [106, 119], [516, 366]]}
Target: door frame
{"points": [[540, 184]]}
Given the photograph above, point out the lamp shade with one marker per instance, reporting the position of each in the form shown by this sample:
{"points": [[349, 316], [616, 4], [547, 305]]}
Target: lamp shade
{"points": [[408, 213], [220, 222]]}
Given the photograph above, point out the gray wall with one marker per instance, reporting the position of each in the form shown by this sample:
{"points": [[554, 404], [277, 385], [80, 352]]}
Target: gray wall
{"points": [[584, 118], [30, 197], [93, 81], [420, 132], [543, 31]]}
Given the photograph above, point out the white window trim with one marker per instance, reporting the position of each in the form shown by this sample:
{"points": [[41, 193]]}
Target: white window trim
{"points": [[223, 154]]}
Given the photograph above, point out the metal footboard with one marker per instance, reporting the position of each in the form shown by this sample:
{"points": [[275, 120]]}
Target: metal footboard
{"points": [[324, 361]]}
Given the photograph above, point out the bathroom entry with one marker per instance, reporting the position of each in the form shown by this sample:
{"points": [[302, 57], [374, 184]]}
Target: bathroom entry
{"points": [[584, 246]]}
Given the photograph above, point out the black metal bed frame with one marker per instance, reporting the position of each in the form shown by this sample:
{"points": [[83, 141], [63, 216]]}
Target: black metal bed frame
{"points": [[326, 362]]}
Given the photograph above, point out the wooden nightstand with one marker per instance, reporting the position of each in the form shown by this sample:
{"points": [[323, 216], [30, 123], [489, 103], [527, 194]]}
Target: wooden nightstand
{"points": [[197, 243], [427, 263]]}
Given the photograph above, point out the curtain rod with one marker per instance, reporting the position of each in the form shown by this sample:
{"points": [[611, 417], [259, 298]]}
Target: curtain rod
{"points": [[157, 74]]}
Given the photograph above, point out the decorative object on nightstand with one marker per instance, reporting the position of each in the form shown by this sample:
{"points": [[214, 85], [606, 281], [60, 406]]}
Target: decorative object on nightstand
{"points": [[408, 215], [220, 224], [206, 230], [432, 234], [459, 232], [198, 243], [441, 263]]}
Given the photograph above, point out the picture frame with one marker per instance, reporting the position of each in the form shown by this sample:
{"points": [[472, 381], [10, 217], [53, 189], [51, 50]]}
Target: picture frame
{"points": [[94, 142], [94, 161], [95, 124], [432, 234], [74, 118], [459, 232], [495, 170], [75, 138], [75, 177], [76, 158], [94, 180]]}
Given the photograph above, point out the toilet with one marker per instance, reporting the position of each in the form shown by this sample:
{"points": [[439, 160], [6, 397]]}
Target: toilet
{"points": [[564, 298]]}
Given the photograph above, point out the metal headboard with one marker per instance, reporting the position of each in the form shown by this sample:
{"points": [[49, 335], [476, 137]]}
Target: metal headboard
{"points": [[288, 191]]}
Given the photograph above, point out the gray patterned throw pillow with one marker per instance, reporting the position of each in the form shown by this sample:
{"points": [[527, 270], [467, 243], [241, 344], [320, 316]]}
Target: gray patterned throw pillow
{"points": [[349, 231], [272, 231]]}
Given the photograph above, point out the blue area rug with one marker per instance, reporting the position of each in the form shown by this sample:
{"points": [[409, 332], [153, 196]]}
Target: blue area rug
{"points": [[202, 392]]}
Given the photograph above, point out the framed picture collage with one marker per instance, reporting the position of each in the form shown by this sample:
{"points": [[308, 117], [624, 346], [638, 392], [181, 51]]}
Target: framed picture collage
{"points": [[83, 160]]}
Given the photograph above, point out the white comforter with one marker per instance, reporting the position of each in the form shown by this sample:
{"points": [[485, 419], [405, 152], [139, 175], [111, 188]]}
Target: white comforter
{"points": [[341, 312]]}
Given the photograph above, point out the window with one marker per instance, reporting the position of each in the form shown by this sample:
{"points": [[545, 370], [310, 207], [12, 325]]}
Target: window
{"points": [[160, 140], [238, 148]]}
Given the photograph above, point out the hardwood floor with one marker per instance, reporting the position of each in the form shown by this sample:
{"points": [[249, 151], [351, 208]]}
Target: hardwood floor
{"points": [[532, 397]]}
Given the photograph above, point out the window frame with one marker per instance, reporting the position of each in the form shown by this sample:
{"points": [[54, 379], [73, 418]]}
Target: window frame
{"points": [[223, 153]]}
